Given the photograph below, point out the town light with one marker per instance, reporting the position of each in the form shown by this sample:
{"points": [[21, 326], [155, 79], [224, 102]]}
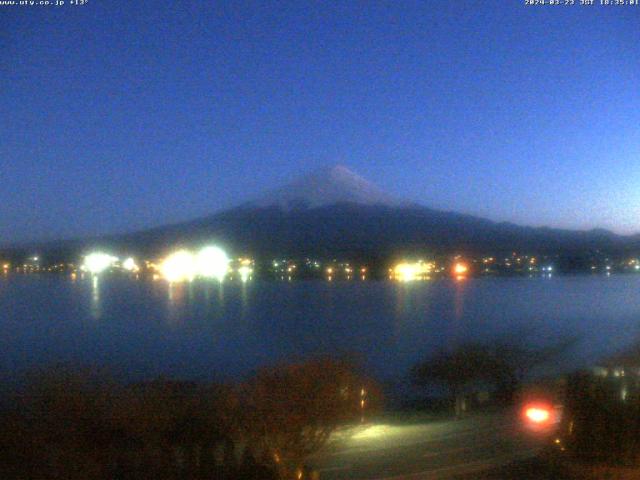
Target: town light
{"points": [[130, 265], [179, 267], [97, 262], [460, 268], [407, 272], [212, 262], [245, 272]]}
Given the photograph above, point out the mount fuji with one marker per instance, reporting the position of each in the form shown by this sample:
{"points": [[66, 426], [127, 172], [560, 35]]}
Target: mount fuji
{"points": [[334, 212], [324, 187]]}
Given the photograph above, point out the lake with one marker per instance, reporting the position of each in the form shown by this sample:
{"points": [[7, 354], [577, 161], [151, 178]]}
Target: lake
{"points": [[207, 331]]}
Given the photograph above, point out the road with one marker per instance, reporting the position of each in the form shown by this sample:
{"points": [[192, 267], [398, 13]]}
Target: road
{"points": [[404, 449]]}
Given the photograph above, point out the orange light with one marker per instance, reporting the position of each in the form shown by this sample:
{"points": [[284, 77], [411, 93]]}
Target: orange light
{"points": [[537, 414], [460, 268]]}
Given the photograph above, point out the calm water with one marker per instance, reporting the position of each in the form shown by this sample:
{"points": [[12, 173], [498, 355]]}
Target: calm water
{"points": [[202, 331]]}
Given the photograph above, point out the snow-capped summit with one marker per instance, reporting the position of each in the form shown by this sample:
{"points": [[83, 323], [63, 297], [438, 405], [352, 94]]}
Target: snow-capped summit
{"points": [[326, 186]]}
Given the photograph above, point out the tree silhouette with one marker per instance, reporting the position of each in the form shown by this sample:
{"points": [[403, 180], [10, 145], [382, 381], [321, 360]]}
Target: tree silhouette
{"points": [[71, 424], [499, 366], [293, 409]]}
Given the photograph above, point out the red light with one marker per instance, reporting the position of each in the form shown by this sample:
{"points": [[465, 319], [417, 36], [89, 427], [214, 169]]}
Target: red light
{"points": [[537, 414]]}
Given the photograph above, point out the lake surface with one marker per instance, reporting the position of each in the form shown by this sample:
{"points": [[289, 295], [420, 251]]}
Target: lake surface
{"points": [[205, 331]]}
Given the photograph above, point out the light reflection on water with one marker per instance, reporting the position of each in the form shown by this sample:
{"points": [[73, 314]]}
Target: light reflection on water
{"points": [[207, 329], [95, 297]]}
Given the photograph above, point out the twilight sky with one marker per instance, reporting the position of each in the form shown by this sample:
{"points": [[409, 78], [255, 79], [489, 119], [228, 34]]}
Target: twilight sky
{"points": [[120, 115]]}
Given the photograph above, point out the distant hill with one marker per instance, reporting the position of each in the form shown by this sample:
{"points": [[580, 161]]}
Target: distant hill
{"points": [[335, 212]]}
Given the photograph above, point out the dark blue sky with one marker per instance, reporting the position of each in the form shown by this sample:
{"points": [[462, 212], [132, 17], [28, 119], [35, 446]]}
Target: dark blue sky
{"points": [[121, 115]]}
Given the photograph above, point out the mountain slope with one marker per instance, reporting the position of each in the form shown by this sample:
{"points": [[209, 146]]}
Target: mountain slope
{"points": [[351, 229]]}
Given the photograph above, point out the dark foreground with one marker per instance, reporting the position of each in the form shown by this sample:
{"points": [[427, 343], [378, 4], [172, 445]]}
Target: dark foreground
{"points": [[547, 466], [415, 448]]}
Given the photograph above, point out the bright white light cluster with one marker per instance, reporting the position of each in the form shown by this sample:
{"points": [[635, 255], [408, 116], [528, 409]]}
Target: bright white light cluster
{"points": [[98, 262], [179, 266], [210, 262], [407, 272], [130, 265]]}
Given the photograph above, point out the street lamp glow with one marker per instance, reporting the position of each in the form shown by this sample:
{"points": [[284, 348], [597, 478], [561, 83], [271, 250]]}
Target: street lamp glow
{"points": [[212, 262], [97, 262], [179, 267], [537, 414], [372, 432]]}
